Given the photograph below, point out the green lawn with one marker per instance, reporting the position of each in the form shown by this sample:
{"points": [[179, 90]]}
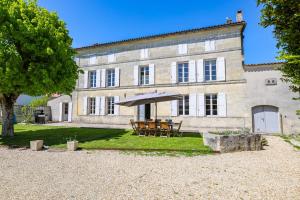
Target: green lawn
{"points": [[91, 138]]}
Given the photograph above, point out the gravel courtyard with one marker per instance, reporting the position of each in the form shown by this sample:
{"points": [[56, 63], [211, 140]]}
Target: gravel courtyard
{"points": [[270, 174]]}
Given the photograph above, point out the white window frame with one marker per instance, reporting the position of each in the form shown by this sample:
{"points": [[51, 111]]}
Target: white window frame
{"points": [[110, 75], [182, 64], [92, 79], [142, 80], [91, 106], [110, 105], [184, 109], [211, 113], [210, 70]]}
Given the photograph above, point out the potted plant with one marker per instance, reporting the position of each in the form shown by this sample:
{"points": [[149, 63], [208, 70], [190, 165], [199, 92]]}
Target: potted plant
{"points": [[72, 144]]}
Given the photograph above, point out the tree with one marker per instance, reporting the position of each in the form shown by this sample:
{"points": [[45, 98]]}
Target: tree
{"points": [[36, 57], [284, 15]]}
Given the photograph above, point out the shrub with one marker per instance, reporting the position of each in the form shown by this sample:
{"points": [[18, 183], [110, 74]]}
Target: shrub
{"points": [[42, 101]]}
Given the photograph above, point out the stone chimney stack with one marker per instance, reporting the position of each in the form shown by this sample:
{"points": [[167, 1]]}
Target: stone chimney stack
{"points": [[239, 16]]}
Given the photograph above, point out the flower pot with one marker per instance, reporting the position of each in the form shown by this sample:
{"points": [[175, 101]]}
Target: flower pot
{"points": [[72, 145]]}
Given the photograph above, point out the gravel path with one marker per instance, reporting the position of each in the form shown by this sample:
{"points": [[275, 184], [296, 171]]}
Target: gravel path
{"points": [[270, 174]]}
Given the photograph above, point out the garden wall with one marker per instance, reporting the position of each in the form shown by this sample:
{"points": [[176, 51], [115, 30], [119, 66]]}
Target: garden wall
{"points": [[229, 143]]}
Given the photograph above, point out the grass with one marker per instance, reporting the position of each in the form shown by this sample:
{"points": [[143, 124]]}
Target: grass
{"points": [[92, 138], [288, 139]]}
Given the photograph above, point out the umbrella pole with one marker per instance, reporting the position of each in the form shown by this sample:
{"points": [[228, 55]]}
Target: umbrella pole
{"points": [[155, 111]]}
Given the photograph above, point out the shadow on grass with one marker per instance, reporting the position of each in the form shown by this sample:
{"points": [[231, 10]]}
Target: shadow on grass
{"points": [[59, 136]]}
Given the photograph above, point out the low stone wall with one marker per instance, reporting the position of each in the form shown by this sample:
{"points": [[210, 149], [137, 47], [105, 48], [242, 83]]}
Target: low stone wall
{"points": [[229, 143]]}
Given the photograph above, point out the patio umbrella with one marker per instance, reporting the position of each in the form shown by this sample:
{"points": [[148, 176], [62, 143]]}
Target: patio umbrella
{"points": [[153, 97]]}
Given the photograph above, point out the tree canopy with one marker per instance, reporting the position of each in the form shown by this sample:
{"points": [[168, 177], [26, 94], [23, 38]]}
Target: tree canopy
{"points": [[36, 54], [284, 15]]}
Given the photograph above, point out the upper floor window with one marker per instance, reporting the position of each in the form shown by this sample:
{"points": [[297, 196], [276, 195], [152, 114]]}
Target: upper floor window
{"points": [[210, 70], [111, 58], [91, 106], [210, 45], [110, 105], [183, 72], [144, 75], [93, 60], [183, 105], [211, 104], [110, 77], [92, 79], [144, 53]]}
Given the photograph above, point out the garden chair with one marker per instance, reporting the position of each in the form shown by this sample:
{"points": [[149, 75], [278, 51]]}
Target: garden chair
{"points": [[134, 128], [152, 128], [141, 128], [176, 132], [165, 129]]}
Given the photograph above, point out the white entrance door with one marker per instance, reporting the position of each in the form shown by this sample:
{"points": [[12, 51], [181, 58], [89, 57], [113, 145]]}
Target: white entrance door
{"points": [[266, 119]]}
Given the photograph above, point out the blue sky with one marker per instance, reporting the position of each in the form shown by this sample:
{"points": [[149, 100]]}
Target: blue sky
{"points": [[98, 21]]}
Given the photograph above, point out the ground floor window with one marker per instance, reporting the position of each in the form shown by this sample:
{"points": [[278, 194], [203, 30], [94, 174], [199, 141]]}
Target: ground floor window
{"points": [[183, 105], [211, 104], [110, 105], [91, 105]]}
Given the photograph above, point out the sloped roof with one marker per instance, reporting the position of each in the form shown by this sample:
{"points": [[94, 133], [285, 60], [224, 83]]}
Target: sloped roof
{"points": [[263, 66], [243, 23]]}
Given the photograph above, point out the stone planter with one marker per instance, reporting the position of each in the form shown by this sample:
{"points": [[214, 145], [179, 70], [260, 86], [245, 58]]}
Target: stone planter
{"points": [[230, 143], [36, 145], [72, 145]]}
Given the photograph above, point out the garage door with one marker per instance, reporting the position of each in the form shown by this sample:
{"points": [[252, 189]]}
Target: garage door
{"points": [[266, 119]]}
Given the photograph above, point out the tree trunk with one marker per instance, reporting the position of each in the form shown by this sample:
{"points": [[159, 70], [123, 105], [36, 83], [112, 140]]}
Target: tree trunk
{"points": [[7, 105]]}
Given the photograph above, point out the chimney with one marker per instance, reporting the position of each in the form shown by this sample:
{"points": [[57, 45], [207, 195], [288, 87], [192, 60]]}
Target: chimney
{"points": [[228, 20], [239, 16]]}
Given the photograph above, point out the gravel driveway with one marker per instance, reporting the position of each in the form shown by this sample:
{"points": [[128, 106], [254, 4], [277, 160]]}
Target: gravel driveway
{"points": [[270, 174]]}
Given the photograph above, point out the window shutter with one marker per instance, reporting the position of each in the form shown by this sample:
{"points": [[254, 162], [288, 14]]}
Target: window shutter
{"points": [[212, 45], [70, 108], [85, 79], [60, 111], [84, 105], [98, 78], [201, 105], [146, 52], [117, 77], [193, 105], [174, 107], [222, 107], [174, 72], [117, 107], [192, 71], [142, 54], [200, 71], [97, 107], [151, 74], [136, 75], [221, 70], [103, 78], [207, 45], [102, 105]]}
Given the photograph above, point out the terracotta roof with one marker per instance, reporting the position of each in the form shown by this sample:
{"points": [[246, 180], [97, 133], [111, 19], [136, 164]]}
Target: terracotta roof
{"points": [[161, 35], [260, 64], [263, 66]]}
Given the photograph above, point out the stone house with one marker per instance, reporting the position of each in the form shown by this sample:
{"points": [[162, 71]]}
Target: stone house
{"points": [[205, 65]]}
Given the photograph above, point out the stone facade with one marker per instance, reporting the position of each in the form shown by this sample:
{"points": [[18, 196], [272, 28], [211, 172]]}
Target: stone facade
{"points": [[223, 42]]}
